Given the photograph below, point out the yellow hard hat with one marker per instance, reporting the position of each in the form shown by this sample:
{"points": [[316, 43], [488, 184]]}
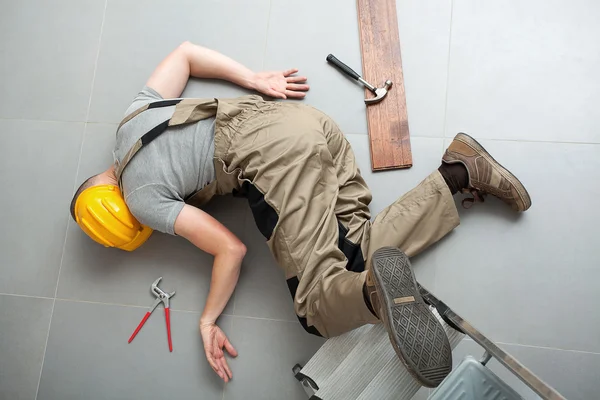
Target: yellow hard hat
{"points": [[103, 215]]}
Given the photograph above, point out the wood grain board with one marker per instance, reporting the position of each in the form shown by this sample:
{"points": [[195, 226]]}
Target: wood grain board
{"points": [[381, 60]]}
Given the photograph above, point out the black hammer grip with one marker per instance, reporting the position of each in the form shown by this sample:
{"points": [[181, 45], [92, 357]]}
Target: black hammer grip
{"points": [[342, 67]]}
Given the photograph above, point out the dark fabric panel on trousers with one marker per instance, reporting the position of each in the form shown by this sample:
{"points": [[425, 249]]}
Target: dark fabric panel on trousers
{"points": [[293, 287], [353, 252], [265, 216]]}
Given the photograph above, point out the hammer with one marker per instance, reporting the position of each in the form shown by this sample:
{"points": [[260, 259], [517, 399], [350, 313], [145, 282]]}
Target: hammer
{"points": [[379, 93]]}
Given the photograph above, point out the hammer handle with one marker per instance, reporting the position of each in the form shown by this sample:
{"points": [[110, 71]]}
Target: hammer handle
{"points": [[342, 67]]}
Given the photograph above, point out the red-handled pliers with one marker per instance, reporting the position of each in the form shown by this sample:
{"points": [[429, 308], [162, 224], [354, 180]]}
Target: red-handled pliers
{"points": [[161, 296]]}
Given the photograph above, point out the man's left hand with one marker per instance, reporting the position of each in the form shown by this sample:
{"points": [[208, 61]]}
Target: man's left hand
{"points": [[280, 84]]}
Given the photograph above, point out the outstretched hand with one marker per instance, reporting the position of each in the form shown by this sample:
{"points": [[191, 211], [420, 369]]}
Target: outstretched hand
{"points": [[214, 342], [280, 84]]}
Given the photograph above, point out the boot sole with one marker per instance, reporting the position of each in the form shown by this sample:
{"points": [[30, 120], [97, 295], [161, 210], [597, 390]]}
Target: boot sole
{"points": [[523, 194], [416, 334]]}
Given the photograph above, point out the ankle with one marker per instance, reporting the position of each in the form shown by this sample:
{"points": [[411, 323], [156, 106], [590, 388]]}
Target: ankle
{"points": [[367, 300], [455, 175]]}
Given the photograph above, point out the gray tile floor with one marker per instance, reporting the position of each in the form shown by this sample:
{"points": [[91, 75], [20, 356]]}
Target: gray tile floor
{"points": [[522, 76]]}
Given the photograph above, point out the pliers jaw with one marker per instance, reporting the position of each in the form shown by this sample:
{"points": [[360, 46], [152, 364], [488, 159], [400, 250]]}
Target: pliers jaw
{"points": [[161, 294]]}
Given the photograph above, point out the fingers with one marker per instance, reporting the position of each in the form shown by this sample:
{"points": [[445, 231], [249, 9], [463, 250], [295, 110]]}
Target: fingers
{"points": [[219, 365], [275, 94], [225, 368], [296, 87], [216, 367], [230, 349], [295, 79], [290, 72], [225, 372], [215, 355], [217, 351], [294, 95]]}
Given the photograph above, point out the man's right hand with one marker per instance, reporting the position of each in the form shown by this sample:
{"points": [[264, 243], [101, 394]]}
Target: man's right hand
{"points": [[214, 342]]}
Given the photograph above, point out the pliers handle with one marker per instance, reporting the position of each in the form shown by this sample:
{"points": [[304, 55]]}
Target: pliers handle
{"points": [[161, 299]]}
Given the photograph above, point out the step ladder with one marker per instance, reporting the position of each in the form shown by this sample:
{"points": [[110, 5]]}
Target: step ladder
{"points": [[362, 365]]}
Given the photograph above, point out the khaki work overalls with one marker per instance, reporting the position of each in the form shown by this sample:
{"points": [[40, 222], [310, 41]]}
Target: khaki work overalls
{"points": [[308, 199]]}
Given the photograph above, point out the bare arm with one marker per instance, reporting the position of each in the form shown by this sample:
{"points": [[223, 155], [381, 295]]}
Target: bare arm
{"points": [[212, 237], [172, 74]]}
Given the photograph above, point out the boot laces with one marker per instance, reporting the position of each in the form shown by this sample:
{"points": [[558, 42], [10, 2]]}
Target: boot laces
{"points": [[478, 196]]}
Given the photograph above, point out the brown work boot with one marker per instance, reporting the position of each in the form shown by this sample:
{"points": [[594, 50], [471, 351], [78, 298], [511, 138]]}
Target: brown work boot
{"points": [[486, 175], [417, 336]]}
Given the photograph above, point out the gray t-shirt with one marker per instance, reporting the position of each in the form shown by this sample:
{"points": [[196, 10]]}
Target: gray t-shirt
{"points": [[169, 169]]}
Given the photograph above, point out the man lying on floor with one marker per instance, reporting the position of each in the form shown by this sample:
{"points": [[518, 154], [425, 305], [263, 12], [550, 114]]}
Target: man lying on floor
{"points": [[298, 172]]}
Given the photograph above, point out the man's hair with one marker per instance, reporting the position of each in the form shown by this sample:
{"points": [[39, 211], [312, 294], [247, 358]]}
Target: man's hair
{"points": [[89, 182]]}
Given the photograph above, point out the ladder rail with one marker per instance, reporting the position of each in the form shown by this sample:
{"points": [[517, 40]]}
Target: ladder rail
{"points": [[509, 362]]}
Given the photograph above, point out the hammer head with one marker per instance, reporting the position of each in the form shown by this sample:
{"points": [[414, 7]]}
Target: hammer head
{"points": [[380, 93]]}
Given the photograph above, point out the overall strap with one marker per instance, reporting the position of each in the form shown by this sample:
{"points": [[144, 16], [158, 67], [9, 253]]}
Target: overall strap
{"points": [[149, 106], [186, 111], [147, 137]]}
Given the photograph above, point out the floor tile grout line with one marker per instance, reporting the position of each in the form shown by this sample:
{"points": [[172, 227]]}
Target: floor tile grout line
{"points": [[172, 309], [225, 384], [551, 348], [37, 390], [75, 183], [531, 346], [483, 139], [116, 123], [106, 304], [43, 120], [87, 114], [538, 141], [242, 264], [496, 139], [267, 34], [234, 299], [82, 141], [276, 320], [59, 268], [262, 319], [26, 296], [448, 69]]}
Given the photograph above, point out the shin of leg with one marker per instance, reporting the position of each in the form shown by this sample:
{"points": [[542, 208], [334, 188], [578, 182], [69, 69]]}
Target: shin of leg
{"points": [[415, 221]]}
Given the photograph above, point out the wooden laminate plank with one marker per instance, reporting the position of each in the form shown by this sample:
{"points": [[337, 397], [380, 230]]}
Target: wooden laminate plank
{"points": [[381, 60]]}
